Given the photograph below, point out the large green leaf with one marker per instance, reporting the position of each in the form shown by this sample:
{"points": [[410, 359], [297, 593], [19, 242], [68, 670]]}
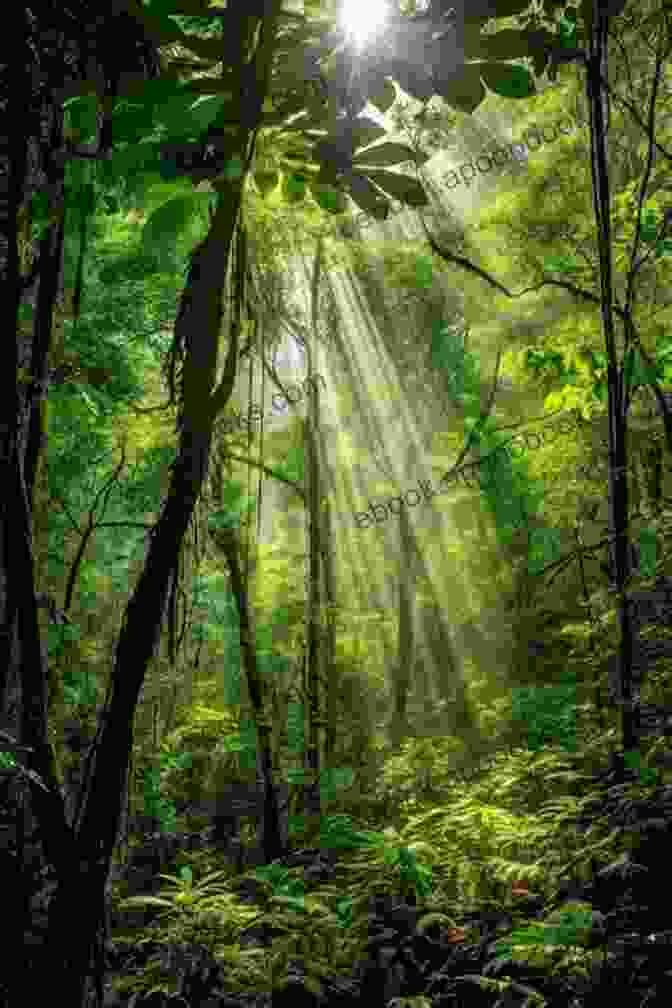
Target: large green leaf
{"points": [[163, 31], [367, 197], [169, 222], [365, 131], [81, 116], [207, 109], [510, 80], [131, 121], [388, 154], [407, 190], [466, 91]]}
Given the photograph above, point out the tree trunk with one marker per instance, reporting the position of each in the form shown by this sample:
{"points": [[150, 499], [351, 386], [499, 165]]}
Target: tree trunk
{"points": [[270, 836], [314, 638], [77, 906], [402, 672], [598, 102]]}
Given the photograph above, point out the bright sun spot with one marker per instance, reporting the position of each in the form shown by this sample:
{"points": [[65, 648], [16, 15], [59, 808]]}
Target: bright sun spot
{"points": [[361, 19]]}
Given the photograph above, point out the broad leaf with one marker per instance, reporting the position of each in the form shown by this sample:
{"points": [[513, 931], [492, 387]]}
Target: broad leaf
{"points": [[81, 118], [363, 131], [367, 197], [510, 80], [163, 31], [169, 222], [207, 109], [465, 91], [388, 154], [407, 190]]}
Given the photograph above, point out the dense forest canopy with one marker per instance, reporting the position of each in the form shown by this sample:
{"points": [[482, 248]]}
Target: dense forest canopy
{"points": [[335, 440]]}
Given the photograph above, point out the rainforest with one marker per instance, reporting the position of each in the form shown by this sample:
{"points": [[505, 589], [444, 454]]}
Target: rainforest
{"points": [[258, 746]]}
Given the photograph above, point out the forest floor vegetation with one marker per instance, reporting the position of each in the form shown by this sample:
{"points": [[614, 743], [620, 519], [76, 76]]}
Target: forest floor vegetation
{"points": [[532, 875]]}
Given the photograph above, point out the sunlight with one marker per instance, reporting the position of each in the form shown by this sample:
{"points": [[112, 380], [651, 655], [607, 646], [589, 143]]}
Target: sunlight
{"points": [[362, 19]]}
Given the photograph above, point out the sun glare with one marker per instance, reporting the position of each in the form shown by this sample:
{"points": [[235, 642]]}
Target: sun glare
{"points": [[361, 19]]}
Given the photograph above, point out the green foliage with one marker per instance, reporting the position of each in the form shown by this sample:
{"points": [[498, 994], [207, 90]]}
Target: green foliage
{"points": [[79, 688], [544, 548], [155, 805], [171, 221], [80, 120], [647, 775], [549, 712], [508, 80], [548, 364], [58, 634], [648, 552]]}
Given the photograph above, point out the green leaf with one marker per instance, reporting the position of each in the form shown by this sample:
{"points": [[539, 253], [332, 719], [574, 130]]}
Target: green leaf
{"points": [[83, 394], [561, 264], [205, 110], [510, 80], [386, 154], [365, 132], [168, 223], [649, 225], [401, 187], [81, 116], [464, 92], [367, 197], [567, 30], [648, 552]]}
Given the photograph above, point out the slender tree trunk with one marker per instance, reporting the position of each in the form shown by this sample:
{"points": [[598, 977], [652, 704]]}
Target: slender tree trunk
{"points": [[314, 637], [598, 102], [329, 652], [270, 838], [402, 672]]}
